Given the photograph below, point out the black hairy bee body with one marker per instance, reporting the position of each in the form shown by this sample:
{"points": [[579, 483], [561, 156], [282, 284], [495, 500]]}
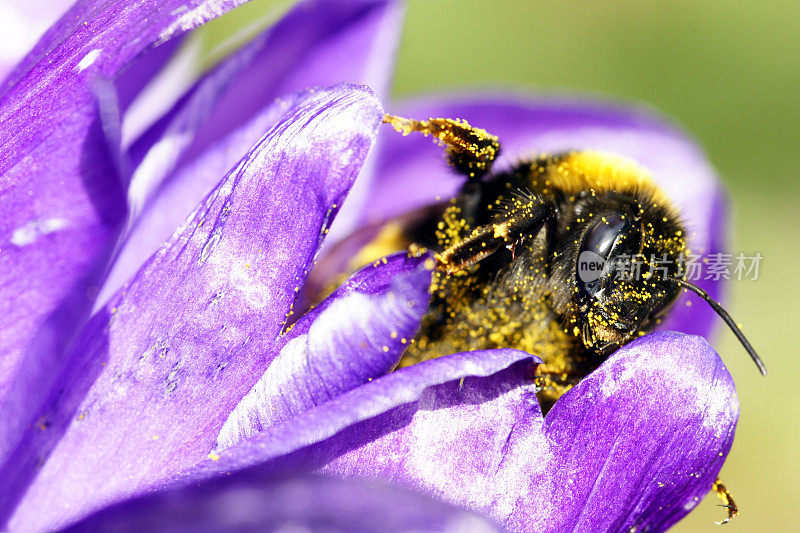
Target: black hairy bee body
{"points": [[566, 256], [509, 247]]}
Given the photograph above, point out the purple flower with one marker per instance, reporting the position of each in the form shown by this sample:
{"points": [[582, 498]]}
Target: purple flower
{"points": [[194, 231]]}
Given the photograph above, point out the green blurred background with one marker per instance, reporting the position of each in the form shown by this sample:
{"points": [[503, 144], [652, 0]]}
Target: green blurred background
{"points": [[730, 72]]}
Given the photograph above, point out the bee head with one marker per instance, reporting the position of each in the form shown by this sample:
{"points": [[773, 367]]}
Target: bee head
{"points": [[617, 252]]}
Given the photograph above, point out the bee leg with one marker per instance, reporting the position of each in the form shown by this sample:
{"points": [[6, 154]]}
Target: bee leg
{"points": [[470, 150], [521, 220], [727, 501]]}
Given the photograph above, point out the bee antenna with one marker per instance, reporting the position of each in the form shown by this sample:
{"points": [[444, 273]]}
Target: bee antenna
{"points": [[726, 317]]}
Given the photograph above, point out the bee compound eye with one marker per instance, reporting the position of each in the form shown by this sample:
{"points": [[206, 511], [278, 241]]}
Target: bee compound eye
{"points": [[596, 250], [600, 239]]}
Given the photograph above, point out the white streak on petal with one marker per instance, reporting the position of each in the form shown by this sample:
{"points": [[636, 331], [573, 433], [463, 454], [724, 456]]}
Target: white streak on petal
{"points": [[161, 93], [88, 60], [191, 19], [258, 408], [259, 404], [30, 232]]}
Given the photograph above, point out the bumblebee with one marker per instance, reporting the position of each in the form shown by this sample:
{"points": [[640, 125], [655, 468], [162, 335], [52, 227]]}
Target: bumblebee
{"points": [[568, 256]]}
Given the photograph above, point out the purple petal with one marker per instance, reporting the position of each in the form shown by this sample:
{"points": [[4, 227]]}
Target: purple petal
{"points": [[157, 371], [316, 44], [62, 187], [170, 59], [357, 334], [637, 443], [156, 154], [632, 445], [254, 501], [527, 126], [354, 418], [640, 442]]}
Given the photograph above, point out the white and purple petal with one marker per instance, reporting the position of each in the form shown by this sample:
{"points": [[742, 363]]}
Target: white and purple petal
{"points": [[156, 372], [636, 444], [180, 159], [62, 179], [351, 420], [357, 334]]}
